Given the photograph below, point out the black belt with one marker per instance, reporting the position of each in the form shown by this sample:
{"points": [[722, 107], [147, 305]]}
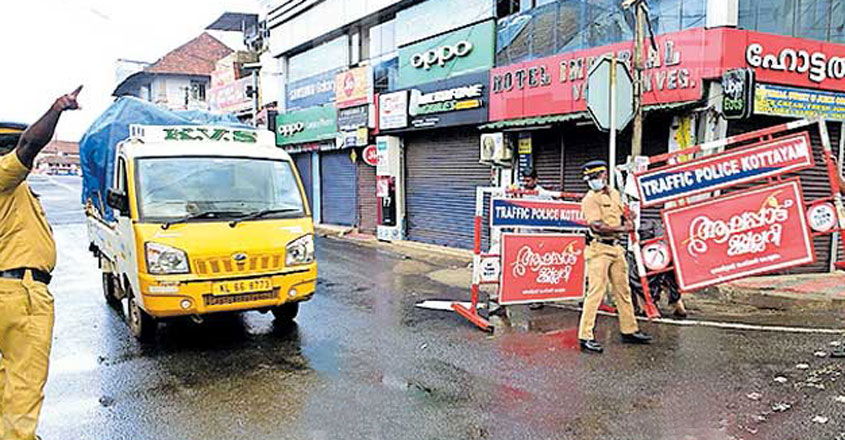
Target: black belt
{"points": [[19, 274], [608, 241]]}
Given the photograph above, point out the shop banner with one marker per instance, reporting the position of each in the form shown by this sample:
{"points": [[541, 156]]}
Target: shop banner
{"points": [[558, 84], [738, 235], [533, 213], [542, 267], [352, 118], [312, 91], [231, 97], [461, 100], [778, 59], [799, 103], [465, 50], [393, 110], [352, 87], [309, 125], [740, 165]]}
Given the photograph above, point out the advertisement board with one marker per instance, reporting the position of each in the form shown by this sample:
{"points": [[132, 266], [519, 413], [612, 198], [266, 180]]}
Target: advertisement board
{"points": [[738, 89], [533, 213], [393, 110], [231, 97], [352, 118], [311, 91], [459, 52], [738, 235], [309, 125], [799, 103], [542, 267], [461, 100], [352, 87], [765, 159]]}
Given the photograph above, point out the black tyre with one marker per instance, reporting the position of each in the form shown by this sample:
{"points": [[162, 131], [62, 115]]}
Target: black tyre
{"points": [[141, 324], [110, 290], [286, 312]]}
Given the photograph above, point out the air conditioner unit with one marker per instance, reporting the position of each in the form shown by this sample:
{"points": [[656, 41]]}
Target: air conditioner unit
{"points": [[491, 143], [502, 153]]}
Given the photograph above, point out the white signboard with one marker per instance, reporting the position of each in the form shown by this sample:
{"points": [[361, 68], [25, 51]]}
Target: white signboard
{"points": [[393, 110]]}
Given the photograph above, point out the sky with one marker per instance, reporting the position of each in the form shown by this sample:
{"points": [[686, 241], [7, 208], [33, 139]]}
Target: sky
{"points": [[49, 47]]}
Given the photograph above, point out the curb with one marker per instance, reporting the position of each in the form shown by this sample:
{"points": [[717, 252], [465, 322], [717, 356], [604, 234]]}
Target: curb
{"points": [[776, 300], [405, 247]]}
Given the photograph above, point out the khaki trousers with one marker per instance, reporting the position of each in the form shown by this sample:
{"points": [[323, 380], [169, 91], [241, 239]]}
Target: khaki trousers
{"points": [[26, 333], [606, 265]]}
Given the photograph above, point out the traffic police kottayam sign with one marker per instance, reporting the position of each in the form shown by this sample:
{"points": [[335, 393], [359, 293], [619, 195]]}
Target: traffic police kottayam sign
{"points": [[759, 161], [532, 213], [598, 94]]}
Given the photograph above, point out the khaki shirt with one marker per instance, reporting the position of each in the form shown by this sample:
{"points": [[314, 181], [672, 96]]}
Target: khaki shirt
{"points": [[597, 205], [26, 240]]}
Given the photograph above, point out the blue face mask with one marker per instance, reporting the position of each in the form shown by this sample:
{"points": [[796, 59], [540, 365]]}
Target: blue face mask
{"points": [[596, 184]]}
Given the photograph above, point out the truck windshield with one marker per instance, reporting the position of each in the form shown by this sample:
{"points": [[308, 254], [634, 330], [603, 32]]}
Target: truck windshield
{"points": [[174, 188]]}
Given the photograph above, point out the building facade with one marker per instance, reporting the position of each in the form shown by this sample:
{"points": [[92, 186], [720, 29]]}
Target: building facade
{"points": [[441, 78]]}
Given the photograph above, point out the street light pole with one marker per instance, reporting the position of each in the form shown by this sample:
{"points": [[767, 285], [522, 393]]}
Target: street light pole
{"points": [[639, 69]]}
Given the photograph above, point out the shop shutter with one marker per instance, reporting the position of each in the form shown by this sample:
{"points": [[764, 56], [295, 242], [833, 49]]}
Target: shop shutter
{"points": [[442, 173], [814, 181], [367, 201], [338, 188], [547, 158], [303, 165]]}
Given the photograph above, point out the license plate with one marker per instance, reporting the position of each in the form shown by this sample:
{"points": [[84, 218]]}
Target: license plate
{"points": [[243, 286]]}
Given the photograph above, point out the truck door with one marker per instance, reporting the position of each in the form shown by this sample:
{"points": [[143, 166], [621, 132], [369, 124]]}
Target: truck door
{"points": [[127, 263]]}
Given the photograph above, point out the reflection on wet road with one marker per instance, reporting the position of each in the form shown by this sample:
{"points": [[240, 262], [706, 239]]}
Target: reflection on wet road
{"points": [[362, 363]]}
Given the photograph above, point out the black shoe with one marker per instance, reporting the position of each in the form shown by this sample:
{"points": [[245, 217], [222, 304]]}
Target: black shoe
{"points": [[591, 345], [636, 338]]}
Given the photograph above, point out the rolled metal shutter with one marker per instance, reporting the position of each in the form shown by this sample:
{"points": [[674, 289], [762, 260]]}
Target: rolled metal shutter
{"points": [[338, 188], [367, 201], [442, 172], [548, 159], [303, 165]]}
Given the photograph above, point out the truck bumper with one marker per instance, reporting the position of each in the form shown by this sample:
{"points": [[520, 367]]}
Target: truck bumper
{"points": [[164, 297]]}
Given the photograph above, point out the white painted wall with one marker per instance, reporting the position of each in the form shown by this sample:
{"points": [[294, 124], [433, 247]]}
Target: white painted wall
{"points": [[169, 91], [722, 13], [319, 20]]}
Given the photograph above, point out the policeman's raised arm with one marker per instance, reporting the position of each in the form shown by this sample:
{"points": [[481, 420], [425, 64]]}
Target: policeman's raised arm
{"points": [[39, 134]]}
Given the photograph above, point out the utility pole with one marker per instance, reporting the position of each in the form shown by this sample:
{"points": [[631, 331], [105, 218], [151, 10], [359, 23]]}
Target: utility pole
{"points": [[639, 69]]}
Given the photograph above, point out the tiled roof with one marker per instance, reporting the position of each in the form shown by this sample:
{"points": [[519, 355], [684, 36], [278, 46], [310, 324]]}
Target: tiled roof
{"points": [[196, 57]]}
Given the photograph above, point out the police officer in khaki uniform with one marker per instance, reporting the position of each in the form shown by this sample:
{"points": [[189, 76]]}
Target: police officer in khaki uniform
{"points": [[27, 256], [602, 209]]}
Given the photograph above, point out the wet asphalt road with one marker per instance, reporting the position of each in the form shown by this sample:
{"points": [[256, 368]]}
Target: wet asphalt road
{"points": [[362, 363]]}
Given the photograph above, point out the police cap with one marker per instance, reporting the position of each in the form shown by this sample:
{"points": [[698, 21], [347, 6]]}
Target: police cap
{"points": [[592, 167]]}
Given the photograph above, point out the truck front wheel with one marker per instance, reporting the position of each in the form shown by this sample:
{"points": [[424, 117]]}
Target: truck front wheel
{"points": [[142, 325], [286, 312]]}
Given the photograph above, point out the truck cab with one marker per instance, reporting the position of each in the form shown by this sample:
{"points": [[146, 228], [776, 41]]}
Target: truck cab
{"points": [[206, 220]]}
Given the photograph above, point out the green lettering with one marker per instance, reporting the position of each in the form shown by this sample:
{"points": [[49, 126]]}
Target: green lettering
{"points": [[185, 135], [250, 137], [170, 134]]}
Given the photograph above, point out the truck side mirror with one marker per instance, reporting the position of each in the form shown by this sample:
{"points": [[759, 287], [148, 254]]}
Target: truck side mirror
{"points": [[118, 200]]}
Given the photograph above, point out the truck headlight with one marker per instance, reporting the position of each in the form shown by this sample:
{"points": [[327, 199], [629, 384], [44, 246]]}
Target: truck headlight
{"points": [[300, 251], [165, 260]]}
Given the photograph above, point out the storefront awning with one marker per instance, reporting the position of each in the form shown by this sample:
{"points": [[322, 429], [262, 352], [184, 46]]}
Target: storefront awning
{"points": [[533, 121]]}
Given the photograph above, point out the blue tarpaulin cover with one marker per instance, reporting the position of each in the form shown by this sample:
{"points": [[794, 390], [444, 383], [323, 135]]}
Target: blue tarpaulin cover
{"points": [[98, 144]]}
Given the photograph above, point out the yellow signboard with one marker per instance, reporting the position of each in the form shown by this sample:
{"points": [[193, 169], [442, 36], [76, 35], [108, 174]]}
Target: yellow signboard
{"points": [[352, 87]]}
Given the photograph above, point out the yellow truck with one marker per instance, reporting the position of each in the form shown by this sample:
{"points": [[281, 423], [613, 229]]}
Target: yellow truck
{"points": [[206, 219]]}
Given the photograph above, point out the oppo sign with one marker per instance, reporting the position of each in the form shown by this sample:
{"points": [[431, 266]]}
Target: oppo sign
{"points": [[291, 129], [441, 55]]}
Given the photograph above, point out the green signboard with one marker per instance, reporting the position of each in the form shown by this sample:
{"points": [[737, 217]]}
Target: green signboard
{"points": [[463, 51], [308, 125]]}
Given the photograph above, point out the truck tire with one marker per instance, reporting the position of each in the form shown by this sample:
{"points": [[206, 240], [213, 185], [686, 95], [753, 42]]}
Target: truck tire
{"points": [[110, 290], [286, 312], [142, 325]]}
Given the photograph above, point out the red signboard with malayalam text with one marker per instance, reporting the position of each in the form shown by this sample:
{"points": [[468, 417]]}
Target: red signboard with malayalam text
{"points": [[738, 235], [542, 267]]}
